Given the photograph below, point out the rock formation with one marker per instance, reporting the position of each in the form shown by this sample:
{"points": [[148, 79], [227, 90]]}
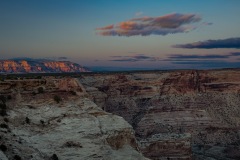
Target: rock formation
{"points": [[37, 126], [175, 114], [39, 66], [166, 115]]}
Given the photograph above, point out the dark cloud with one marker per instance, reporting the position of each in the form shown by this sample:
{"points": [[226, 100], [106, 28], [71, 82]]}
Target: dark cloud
{"points": [[235, 54], [124, 60], [205, 61], [62, 58], [194, 57], [134, 58], [163, 25], [210, 44], [179, 60], [209, 64], [210, 56], [197, 61], [174, 57]]}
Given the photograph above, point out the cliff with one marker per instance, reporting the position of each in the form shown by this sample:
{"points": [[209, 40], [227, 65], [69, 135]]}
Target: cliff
{"points": [[159, 115], [175, 114], [39, 66], [39, 126]]}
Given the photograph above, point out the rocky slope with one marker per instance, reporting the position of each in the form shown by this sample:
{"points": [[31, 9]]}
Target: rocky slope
{"points": [[170, 114], [175, 114], [36, 127], [39, 66]]}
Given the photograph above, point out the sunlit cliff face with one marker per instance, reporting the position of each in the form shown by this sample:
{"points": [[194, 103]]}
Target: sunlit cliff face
{"points": [[59, 65], [24, 66], [8, 66]]}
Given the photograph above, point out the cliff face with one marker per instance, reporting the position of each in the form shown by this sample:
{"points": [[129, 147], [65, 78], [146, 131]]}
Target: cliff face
{"points": [[37, 127], [178, 114], [39, 66], [166, 115]]}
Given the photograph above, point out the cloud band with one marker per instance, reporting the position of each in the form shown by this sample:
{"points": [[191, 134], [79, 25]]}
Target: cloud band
{"points": [[210, 44], [163, 25]]}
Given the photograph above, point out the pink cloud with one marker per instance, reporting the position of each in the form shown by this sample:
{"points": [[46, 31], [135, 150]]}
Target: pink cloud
{"points": [[106, 27], [163, 25]]}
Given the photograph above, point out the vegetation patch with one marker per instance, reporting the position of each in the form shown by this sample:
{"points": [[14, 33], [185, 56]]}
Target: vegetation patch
{"points": [[118, 141], [3, 109], [3, 147], [71, 144], [3, 99], [54, 157], [73, 93], [3, 125], [57, 98], [27, 120], [40, 90], [17, 157]]}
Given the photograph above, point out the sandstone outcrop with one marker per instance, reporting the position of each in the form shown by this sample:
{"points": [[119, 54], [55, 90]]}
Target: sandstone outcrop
{"points": [[39, 66]]}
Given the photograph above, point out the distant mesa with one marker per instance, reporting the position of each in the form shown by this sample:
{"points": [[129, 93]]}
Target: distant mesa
{"points": [[28, 65]]}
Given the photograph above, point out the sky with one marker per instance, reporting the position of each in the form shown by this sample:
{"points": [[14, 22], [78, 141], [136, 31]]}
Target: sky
{"points": [[126, 34]]}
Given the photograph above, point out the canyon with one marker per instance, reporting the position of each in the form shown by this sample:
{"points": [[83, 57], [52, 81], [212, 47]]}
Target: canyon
{"points": [[181, 114]]}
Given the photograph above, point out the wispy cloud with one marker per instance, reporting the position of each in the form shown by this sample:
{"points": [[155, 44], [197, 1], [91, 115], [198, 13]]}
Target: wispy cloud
{"points": [[197, 57], [205, 61], [206, 23], [109, 27], [210, 56], [209, 64], [191, 58], [210, 44], [235, 54], [62, 58], [163, 25], [134, 58], [138, 13]]}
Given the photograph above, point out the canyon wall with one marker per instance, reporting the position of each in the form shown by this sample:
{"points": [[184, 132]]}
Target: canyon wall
{"points": [[54, 119], [159, 115], [175, 114]]}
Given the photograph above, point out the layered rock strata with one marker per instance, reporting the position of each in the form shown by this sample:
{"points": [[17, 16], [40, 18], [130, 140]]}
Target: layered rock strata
{"points": [[39, 66], [37, 126], [175, 114]]}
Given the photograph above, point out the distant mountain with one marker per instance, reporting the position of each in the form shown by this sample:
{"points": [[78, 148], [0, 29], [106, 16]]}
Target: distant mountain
{"points": [[28, 65]]}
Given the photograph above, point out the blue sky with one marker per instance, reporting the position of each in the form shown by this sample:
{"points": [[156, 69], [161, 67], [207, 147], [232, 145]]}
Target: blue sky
{"points": [[75, 29]]}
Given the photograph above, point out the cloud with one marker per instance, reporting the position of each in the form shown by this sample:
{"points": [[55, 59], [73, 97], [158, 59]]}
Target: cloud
{"points": [[62, 58], [106, 27], [235, 54], [209, 64], [210, 44], [210, 56], [195, 57], [145, 26], [207, 23], [138, 13], [134, 58], [180, 58], [205, 61]]}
